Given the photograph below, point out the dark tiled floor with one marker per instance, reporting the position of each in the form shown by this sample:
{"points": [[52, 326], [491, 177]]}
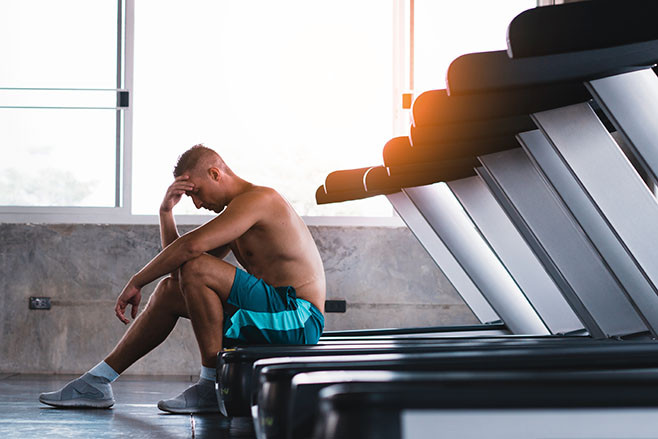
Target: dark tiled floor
{"points": [[134, 415]]}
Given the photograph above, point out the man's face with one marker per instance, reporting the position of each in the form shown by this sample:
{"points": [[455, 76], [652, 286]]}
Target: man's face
{"points": [[207, 192]]}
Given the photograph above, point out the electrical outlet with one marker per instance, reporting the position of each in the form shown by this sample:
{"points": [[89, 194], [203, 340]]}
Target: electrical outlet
{"points": [[335, 306], [39, 302]]}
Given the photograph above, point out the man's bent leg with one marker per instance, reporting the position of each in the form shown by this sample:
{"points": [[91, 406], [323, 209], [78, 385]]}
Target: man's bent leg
{"points": [[151, 327], [206, 284]]}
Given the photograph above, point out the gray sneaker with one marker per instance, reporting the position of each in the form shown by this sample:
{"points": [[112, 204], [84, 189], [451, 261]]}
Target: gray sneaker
{"points": [[88, 391], [198, 398]]}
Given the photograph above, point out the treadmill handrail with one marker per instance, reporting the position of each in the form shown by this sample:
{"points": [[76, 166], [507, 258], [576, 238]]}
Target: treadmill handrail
{"points": [[492, 71], [493, 326], [581, 26]]}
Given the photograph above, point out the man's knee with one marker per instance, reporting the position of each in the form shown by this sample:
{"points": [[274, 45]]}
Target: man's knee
{"points": [[167, 298], [209, 272], [169, 284], [167, 293], [191, 272]]}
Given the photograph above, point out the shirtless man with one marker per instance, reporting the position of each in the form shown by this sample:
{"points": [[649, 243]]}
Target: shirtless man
{"points": [[279, 299]]}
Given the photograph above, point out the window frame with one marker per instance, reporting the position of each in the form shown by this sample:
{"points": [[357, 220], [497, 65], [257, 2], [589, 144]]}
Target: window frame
{"points": [[121, 213]]}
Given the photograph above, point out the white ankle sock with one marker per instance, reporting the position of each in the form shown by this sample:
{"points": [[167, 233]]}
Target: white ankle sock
{"points": [[208, 373], [104, 370]]}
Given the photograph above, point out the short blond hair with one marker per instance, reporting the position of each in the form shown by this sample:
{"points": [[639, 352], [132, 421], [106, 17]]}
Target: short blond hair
{"points": [[198, 154]]}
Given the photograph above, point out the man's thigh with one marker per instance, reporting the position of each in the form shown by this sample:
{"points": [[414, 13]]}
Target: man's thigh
{"points": [[212, 272]]}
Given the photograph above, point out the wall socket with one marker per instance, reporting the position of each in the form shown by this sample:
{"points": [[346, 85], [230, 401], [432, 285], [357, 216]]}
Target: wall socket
{"points": [[39, 302], [335, 306]]}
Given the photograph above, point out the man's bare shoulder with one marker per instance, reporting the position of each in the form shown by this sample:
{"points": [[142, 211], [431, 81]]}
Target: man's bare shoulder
{"points": [[258, 195], [259, 202]]}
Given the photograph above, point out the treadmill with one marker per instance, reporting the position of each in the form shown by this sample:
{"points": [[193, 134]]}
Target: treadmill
{"points": [[638, 326], [285, 407], [558, 126], [234, 367], [616, 404]]}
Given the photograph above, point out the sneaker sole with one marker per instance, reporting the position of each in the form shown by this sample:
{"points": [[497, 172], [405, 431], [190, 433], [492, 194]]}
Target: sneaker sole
{"points": [[188, 411], [80, 403]]}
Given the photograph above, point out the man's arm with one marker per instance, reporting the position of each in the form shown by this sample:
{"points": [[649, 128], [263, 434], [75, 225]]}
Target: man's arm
{"points": [[241, 214], [168, 230]]}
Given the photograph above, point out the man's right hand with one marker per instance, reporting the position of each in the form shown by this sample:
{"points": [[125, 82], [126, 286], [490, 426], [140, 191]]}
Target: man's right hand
{"points": [[131, 295], [178, 188]]}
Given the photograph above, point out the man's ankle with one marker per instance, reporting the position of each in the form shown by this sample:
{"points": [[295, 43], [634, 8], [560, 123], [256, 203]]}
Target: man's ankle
{"points": [[208, 373], [103, 370]]}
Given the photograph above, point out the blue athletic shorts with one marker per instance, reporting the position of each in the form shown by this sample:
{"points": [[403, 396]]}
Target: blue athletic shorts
{"points": [[258, 313]]}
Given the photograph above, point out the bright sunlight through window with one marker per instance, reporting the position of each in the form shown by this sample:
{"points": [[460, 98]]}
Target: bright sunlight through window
{"points": [[287, 91]]}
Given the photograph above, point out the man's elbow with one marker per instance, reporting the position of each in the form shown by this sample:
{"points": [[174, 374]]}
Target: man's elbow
{"points": [[191, 249]]}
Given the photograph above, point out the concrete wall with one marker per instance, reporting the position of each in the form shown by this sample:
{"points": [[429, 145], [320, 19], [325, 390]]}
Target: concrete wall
{"points": [[384, 274]]}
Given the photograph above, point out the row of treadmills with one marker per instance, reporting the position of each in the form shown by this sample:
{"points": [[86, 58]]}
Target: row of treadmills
{"points": [[529, 182]]}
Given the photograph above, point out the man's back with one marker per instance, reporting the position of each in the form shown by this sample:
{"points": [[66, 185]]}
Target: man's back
{"points": [[279, 248]]}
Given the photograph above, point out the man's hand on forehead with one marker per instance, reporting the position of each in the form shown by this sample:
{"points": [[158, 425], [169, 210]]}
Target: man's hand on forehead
{"points": [[181, 186]]}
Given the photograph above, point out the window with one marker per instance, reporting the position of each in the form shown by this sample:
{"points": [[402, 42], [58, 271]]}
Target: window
{"points": [[286, 91], [446, 30], [59, 121]]}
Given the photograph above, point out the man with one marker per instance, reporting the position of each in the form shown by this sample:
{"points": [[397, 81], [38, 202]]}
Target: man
{"points": [[279, 299]]}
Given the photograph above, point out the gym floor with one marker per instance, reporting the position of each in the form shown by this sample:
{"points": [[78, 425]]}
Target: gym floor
{"points": [[134, 415]]}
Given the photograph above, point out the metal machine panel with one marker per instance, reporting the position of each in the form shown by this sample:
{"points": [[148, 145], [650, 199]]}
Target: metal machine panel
{"points": [[639, 289], [447, 218], [586, 282], [556, 423], [614, 186], [630, 101], [514, 253], [442, 257]]}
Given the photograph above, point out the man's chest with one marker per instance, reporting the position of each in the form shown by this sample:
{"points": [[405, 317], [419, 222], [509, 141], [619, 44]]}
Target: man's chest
{"points": [[249, 248]]}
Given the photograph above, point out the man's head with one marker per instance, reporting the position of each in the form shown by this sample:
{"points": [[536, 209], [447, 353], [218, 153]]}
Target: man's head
{"points": [[199, 159], [207, 171]]}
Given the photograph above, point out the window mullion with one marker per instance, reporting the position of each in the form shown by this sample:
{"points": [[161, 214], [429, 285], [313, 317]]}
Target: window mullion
{"points": [[127, 114]]}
